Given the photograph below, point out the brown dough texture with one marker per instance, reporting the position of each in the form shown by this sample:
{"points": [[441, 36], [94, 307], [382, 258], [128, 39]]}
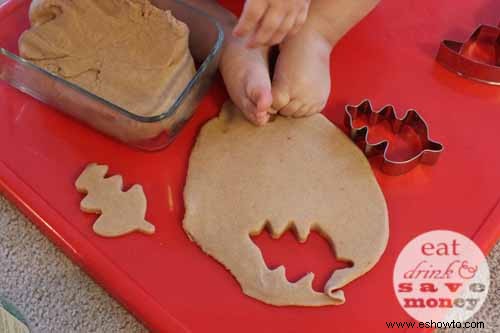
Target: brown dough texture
{"points": [[128, 52], [121, 212], [303, 174]]}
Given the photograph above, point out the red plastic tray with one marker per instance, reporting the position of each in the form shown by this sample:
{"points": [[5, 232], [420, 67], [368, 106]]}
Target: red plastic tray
{"points": [[169, 284]]}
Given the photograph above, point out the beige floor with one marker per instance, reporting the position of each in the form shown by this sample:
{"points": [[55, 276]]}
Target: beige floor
{"points": [[56, 296]]}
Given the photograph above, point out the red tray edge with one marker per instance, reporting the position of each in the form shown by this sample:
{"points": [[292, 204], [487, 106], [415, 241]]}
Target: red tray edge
{"points": [[488, 234], [29, 202]]}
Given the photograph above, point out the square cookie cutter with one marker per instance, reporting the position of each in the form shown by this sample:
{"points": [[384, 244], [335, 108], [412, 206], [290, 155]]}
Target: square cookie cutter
{"points": [[478, 58], [429, 154]]}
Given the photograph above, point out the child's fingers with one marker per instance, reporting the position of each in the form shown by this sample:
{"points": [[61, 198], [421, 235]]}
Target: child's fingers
{"points": [[317, 108], [262, 118], [268, 26], [284, 29], [291, 108], [250, 18], [249, 111], [257, 104], [300, 20], [256, 117], [273, 111], [260, 97]]}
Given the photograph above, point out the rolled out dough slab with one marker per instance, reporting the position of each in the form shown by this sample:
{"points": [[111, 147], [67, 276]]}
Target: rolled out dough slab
{"points": [[303, 174]]}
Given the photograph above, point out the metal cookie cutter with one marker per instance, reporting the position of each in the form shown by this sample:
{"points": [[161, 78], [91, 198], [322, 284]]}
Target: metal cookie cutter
{"points": [[478, 58], [429, 153]]}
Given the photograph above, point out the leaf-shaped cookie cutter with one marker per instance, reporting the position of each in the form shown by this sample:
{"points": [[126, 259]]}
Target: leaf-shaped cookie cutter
{"points": [[478, 58], [429, 153]]}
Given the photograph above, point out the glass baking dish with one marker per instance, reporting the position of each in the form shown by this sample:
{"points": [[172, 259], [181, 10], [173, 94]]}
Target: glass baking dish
{"points": [[144, 132]]}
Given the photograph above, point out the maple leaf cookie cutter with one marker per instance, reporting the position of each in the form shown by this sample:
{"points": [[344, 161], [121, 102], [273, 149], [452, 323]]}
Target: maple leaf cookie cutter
{"points": [[429, 154], [478, 58]]}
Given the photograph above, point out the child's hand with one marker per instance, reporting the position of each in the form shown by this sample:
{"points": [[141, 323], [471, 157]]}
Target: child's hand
{"points": [[268, 22]]}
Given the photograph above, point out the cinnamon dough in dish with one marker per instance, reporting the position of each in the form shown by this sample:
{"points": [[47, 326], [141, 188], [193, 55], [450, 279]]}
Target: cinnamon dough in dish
{"points": [[128, 52], [303, 174]]}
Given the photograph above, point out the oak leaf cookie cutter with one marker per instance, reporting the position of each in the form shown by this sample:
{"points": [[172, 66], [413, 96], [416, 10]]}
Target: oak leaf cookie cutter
{"points": [[429, 154], [478, 58]]}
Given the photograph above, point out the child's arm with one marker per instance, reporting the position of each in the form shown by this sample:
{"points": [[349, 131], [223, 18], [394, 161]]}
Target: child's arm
{"points": [[268, 22]]}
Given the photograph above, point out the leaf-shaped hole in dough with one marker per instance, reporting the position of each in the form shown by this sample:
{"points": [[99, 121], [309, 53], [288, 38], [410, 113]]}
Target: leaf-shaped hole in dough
{"points": [[315, 255]]}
